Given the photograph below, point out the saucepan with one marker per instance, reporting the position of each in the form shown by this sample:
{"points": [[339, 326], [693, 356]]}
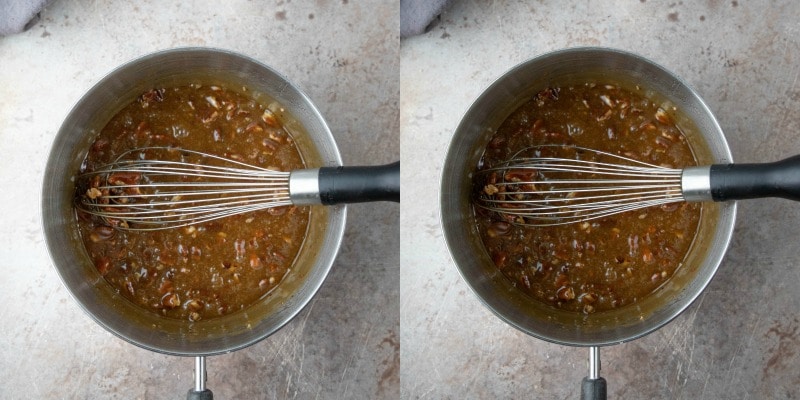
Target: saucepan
{"points": [[545, 322], [118, 315]]}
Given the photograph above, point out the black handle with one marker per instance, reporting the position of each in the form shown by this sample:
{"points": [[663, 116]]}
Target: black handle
{"points": [[593, 389], [339, 185], [203, 395], [750, 181]]}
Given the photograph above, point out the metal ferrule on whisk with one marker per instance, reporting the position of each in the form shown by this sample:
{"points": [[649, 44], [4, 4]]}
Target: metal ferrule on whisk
{"points": [[304, 187], [696, 183]]}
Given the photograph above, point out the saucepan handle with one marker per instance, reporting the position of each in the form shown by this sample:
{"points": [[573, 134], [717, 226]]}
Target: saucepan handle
{"points": [[199, 392], [593, 386], [195, 395]]}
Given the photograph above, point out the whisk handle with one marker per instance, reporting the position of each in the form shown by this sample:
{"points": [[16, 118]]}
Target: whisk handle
{"points": [[750, 181], [339, 185]]}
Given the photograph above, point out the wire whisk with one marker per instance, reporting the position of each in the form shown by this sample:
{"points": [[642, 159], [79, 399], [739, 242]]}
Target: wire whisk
{"points": [[536, 189], [160, 188]]}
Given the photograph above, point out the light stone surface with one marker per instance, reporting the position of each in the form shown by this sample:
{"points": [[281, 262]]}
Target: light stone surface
{"points": [[741, 338], [345, 56]]}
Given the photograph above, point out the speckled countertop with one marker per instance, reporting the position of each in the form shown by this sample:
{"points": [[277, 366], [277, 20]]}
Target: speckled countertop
{"points": [[741, 338], [345, 56]]}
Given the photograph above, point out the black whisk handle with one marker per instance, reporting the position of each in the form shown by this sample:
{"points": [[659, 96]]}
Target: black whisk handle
{"points": [[338, 185], [750, 181]]}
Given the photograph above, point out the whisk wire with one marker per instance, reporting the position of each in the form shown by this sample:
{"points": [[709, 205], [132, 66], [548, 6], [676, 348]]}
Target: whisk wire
{"points": [[545, 190], [142, 193]]}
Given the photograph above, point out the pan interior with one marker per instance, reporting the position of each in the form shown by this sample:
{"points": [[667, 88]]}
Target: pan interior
{"points": [[85, 121], [470, 138]]}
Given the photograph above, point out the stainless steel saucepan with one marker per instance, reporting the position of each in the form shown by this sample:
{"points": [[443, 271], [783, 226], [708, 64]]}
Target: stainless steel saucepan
{"points": [[494, 105], [118, 315]]}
